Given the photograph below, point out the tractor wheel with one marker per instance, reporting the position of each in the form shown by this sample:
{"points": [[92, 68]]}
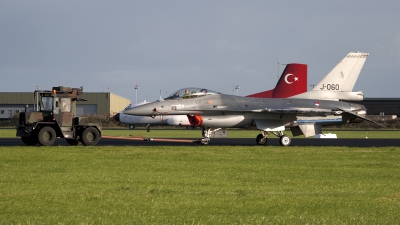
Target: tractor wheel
{"points": [[47, 136], [31, 140], [90, 136]]}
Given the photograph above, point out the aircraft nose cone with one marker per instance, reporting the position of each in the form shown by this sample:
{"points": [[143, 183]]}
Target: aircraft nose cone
{"points": [[116, 117]]}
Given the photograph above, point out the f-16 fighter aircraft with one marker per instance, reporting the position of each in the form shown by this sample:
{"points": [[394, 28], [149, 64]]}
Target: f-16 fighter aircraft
{"points": [[336, 85], [210, 109], [292, 82]]}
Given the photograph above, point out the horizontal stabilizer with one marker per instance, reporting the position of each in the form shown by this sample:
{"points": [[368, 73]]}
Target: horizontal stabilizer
{"points": [[363, 118]]}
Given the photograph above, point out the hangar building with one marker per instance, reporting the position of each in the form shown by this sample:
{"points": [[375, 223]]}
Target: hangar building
{"points": [[98, 103], [382, 106]]}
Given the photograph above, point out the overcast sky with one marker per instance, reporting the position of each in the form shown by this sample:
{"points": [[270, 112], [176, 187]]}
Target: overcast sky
{"points": [[111, 46]]}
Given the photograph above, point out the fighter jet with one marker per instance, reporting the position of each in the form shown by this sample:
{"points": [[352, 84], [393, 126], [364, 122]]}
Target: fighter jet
{"points": [[293, 81], [210, 109], [336, 85]]}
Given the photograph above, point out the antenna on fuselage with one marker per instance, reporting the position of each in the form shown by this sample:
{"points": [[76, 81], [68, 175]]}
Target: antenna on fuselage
{"points": [[160, 96], [277, 75]]}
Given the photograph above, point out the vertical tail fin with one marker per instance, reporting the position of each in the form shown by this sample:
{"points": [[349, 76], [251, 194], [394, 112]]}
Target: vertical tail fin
{"points": [[293, 81], [344, 75]]}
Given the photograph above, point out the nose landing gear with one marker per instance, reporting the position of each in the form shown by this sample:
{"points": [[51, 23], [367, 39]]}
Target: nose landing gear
{"points": [[209, 132]]}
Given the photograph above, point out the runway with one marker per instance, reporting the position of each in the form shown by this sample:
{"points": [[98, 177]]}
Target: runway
{"points": [[349, 142]]}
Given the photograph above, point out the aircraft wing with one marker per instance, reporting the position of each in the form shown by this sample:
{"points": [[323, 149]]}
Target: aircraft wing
{"points": [[265, 110], [299, 110]]}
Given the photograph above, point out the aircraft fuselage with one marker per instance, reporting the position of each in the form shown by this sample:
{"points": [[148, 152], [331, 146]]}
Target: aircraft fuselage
{"points": [[234, 111]]}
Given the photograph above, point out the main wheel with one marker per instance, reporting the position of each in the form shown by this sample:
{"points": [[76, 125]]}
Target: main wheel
{"points": [[47, 136], [90, 136], [31, 140], [285, 140], [261, 140], [131, 126]]}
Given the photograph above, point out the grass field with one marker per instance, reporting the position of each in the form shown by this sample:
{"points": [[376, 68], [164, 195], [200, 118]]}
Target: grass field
{"points": [[199, 185]]}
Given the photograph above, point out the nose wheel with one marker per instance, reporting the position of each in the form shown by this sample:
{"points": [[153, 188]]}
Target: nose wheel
{"points": [[204, 141]]}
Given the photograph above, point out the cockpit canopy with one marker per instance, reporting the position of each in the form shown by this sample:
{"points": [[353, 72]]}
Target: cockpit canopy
{"points": [[191, 93]]}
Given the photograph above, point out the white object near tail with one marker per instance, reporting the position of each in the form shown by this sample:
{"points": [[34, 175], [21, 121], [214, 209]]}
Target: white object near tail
{"points": [[325, 136]]}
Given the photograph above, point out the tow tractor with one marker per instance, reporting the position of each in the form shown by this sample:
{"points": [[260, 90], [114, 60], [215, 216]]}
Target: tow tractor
{"points": [[54, 116]]}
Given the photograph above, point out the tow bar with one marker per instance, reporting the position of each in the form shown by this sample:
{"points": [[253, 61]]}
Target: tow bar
{"points": [[141, 138]]}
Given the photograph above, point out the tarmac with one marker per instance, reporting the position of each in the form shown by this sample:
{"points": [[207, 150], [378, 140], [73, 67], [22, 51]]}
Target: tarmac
{"points": [[348, 142]]}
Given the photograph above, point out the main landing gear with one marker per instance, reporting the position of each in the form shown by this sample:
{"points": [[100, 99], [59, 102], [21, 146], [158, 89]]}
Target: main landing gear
{"points": [[262, 138], [209, 132]]}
